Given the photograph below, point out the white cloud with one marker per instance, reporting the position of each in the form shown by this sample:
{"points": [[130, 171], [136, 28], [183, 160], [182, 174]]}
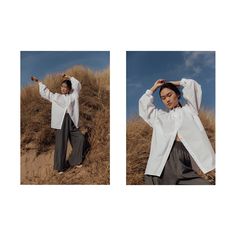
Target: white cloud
{"points": [[198, 60]]}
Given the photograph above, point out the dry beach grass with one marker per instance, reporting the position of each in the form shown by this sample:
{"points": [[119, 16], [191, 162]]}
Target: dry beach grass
{"points": [[37, 138], [138, 146]]}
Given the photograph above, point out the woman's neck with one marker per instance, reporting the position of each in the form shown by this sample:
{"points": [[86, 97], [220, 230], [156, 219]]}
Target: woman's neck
{"points": [[178, 105]]}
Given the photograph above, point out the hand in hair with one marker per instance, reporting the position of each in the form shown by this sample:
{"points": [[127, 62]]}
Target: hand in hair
{"points": [[33, 78], [157, 84]]}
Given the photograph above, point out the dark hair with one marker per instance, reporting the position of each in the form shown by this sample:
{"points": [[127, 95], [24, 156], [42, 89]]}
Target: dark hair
{"points": [[68, 83], [171, 87]]}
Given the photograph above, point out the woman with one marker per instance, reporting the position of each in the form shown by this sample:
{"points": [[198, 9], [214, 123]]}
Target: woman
{"points": [[179, 146], [65, 119]]}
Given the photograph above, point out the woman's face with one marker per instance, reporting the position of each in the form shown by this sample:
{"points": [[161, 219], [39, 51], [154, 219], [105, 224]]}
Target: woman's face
{"points": [[64, 88], [169, 98]]}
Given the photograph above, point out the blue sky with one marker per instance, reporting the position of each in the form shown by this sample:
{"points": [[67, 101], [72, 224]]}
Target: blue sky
{"points": [[41, 63], [145, 67]]}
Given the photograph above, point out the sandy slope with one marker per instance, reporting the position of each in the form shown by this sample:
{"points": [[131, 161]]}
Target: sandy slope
{"points": [[38, 139], [39, 170]]}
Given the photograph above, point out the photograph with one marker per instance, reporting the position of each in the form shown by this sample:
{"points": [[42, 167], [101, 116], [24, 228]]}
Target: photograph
{"points": [[103, 100], [65, 117], [170, 117]]}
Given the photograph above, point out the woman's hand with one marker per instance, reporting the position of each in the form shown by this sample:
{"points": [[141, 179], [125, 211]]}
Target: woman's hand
{"points": [[157, 84], [33, 78]]}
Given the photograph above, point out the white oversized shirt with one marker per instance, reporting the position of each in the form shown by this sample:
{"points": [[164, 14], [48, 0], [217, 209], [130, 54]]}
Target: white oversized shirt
{"points": [[181, 121], [62, 103]]}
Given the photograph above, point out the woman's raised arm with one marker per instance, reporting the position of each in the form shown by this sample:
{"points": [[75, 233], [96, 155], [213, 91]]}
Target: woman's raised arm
{"points": [[76, 85], [43, 90], [147, 109], [192, 93]]}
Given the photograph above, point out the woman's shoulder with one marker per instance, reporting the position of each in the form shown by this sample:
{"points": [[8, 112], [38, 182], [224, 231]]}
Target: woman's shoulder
{"points": [[188, 109], [57, 96]]}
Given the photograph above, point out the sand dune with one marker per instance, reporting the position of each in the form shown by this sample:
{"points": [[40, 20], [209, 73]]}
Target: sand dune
{"points": [[37, 138]]}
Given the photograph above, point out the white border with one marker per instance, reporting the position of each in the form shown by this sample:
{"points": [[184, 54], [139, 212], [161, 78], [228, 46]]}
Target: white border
{"points": [[117, 27]]}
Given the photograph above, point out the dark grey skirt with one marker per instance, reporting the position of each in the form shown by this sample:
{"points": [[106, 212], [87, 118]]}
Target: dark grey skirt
{"points": [[180, 169]]}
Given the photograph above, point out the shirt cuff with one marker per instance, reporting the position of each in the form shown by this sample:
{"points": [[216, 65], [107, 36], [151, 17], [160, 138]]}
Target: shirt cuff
{"points": [[149, 92], [183, 82], [41, 85]]}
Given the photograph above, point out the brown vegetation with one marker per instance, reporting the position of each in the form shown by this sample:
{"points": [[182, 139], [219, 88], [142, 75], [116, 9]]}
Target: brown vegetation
{"points": [[138, 146], [37, 138]]}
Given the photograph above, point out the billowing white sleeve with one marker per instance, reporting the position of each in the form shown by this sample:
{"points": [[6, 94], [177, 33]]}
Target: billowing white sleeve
{"points": [[76, 85], [147, 109], [192, 93], [45, 92]]}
